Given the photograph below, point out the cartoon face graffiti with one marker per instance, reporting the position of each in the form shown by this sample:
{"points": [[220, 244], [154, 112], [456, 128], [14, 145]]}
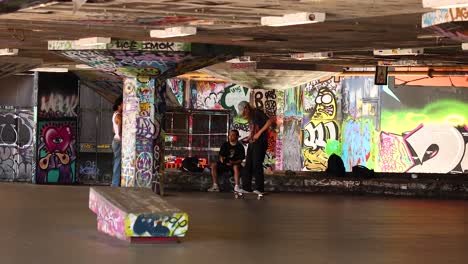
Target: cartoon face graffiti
{"points": [[56, 153], [57, 139], [325, 107]]}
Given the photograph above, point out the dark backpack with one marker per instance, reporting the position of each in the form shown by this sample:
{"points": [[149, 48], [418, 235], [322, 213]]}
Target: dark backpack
{"points": [[360, 171], [191, 164], [335, 166]]}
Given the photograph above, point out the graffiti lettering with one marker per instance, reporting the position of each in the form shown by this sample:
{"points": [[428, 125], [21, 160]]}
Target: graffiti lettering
{"points": [[16, 145], [146, 128], [449, 144], [90, 169], [233, 95], [57, 105], [459, 14], [258, 100], [316, 136]]}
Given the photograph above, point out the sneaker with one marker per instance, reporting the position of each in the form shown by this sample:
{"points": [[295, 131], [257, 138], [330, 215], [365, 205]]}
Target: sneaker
{"points": [[214, 188], [257, 192], [239, 190]]}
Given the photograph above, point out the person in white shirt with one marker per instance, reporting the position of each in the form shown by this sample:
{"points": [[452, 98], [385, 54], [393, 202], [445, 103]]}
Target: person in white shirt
{"points": [[117, 141]]}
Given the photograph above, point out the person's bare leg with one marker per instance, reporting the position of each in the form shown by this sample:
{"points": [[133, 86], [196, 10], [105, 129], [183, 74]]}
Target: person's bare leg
{"points": [[236, 169], [214, 173]]}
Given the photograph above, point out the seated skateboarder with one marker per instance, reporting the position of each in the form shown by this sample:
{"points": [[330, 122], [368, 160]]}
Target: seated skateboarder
{"points": [[231, 155]]}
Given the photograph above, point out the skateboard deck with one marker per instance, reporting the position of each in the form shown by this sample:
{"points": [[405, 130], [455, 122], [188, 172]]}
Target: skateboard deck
{"points": [[239, 195]]}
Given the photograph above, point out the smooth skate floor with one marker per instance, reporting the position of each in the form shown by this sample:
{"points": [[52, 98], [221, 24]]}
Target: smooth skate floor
{"points": [[52, 224]]}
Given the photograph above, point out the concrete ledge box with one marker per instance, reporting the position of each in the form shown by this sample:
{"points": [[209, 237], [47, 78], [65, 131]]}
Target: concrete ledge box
{"points": [[136, 215]]}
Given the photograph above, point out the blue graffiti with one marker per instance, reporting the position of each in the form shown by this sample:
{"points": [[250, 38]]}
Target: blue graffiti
{"points": [[151, 224]]}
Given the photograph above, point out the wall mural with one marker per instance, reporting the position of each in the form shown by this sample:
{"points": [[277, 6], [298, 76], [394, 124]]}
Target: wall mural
{"points": [[17, 144], [54, 102], [292, 124], [279, 130], [58, 111], [208, 95], [56, 152], [177, 87], [320, 121], [359, 143], [141, 225], [265, 100], [431, 138], [361, 124]]}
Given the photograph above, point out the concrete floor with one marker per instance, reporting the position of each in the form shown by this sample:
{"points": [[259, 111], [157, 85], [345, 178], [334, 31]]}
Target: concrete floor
{"points": [[52, 224]]}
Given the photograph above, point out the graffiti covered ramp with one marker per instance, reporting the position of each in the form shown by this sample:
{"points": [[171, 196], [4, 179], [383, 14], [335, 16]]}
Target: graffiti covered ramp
{"points": [[136, 215]]}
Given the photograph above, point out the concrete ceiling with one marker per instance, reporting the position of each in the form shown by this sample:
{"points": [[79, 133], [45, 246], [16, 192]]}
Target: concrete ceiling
{"points": [[249, 76], [353, 29]]}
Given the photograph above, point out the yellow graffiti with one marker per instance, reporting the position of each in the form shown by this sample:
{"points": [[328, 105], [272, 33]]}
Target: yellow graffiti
{"points": [[315, 160], [325, 107]]}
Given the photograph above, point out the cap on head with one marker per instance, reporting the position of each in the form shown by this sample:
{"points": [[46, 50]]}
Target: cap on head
{"points": [[241, 107]]}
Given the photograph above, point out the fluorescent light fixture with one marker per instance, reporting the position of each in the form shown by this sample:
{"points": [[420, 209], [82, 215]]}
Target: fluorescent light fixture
{"points": [[93, 41], [173, 32], [293, 19], [312, 56], [8, 52], [443, 4], [83, 67], [399, 52], [50, 69], [241, 59]]}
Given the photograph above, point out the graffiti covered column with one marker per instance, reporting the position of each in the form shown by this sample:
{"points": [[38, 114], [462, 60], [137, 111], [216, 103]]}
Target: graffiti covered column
{"points": [[141, 133]]}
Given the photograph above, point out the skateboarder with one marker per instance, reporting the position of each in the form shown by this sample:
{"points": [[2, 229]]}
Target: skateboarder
{"points": [[231, 154], [259, 123]]}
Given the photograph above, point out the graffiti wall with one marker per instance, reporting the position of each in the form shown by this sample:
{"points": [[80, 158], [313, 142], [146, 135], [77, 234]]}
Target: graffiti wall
{"points": [[57, 130], [177, 87], [207, 95], [292, 124], [321, 119], [17, 137], [361, 111], [266, 100], [424, 129]]}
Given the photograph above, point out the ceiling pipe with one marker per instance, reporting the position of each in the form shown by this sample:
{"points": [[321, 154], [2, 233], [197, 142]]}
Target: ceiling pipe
{"points": [[407, 73]]}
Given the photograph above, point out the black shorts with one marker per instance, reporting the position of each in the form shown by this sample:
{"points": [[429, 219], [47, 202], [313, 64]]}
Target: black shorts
{"points": [[223, 168]]}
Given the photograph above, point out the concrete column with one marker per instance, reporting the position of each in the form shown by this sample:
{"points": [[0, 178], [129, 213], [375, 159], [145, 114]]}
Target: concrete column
{"points": [[142, 140]]}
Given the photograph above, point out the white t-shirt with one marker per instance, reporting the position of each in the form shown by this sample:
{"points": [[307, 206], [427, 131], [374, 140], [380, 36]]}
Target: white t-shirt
{"points": [[115, 127]]}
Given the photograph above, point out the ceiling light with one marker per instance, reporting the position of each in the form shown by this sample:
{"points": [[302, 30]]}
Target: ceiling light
{"points": [[50, 69], [442, 4], [93, 41], [293, 19], [8, 52], [312, 56], [173, 32], [399, 52]]}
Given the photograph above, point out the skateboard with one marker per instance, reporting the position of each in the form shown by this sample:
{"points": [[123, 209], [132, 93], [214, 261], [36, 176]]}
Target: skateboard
{"points": [[239, 195]]}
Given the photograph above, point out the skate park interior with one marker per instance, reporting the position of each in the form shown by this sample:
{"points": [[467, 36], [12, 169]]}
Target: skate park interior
{"points": [[380, 86]]}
